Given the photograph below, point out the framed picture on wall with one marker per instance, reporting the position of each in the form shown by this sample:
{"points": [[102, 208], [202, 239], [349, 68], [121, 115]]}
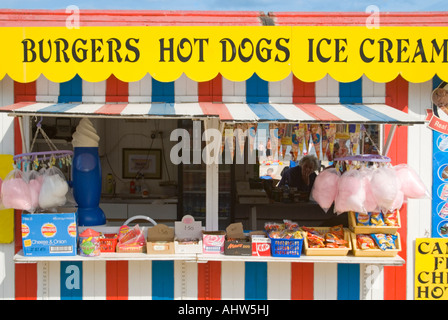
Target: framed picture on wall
{"points": [[147, 162]]}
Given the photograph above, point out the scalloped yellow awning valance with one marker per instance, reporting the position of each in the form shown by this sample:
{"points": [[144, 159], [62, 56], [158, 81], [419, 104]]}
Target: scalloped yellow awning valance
{"points": [[345, 53]]}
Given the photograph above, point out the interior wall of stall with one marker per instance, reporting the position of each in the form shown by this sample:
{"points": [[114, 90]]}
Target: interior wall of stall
{"points": [[118, 134]]}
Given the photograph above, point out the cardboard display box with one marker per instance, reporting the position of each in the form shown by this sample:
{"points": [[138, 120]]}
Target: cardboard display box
{"points": [[187, 235], [213, 241], [50, 234], [160, 240], [237, 243]]}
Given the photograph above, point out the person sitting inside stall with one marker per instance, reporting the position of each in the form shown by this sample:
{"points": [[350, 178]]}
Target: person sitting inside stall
{"points": [[269, 174], [301, 176]]}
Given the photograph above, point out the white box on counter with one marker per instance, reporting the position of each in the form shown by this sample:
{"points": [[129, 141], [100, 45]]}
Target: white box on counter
{"points": [[187, 235]]}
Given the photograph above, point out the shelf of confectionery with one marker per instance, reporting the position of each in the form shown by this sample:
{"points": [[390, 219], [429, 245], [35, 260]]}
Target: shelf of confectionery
{"points": [[203, 258]]}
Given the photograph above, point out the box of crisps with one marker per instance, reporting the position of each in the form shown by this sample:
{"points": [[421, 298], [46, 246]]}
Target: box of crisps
{"points": [[49, 234]]}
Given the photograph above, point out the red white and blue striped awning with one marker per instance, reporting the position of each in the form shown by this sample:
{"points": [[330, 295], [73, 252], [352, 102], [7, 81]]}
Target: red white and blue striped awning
{"points": [[227, 112]]}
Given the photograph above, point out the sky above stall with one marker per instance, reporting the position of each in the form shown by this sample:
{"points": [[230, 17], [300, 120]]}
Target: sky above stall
{"points": [[231, 5]]}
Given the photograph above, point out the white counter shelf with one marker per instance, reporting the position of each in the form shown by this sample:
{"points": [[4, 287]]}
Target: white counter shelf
{"points": [[203, 258]]}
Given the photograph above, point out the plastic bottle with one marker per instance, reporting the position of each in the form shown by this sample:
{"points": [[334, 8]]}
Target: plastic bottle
{"points": [[132, 187]]}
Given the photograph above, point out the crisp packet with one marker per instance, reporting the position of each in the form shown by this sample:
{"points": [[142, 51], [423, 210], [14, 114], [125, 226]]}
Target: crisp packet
{"points": [[338, 231], [376, 219], [385, 241], [273, 226], [290, 225], [365, 241], [362, 219], [391, 218]]}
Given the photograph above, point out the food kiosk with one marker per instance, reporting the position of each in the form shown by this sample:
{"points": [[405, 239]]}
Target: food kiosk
{"points": [[219, 67]]}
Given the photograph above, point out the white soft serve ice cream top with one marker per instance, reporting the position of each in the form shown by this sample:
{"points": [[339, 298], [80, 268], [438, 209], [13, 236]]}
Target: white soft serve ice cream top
{"points": [[85, 134]]}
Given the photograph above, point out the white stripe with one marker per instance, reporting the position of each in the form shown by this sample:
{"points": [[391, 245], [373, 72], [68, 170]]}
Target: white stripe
{"points": [[86, 108], [94, 92], [344, 113], [232, 280], [136, 109], [373, 92], [94, 280], [185, 280], [327, 90], [140, 91], [371, 282], [188, 109], [325, 281], [290, 111], [233, 92], [46, 91], [279, 280], [281, 91], [35, 107], [185, 90], [241, 112], [54, 280], [139, 280], [392, 112]]}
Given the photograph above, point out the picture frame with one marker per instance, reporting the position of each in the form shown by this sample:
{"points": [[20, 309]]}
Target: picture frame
{"points": [[145, 161]]}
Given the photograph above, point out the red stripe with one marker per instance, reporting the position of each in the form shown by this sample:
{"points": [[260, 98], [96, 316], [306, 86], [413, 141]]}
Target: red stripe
{"points": [[303, 92], [210, 91], [111, 109], [24, 92], [40, 18], [313, 110], [359, 18], [25, 280], [397, 97], [117, 280], [116, 90], [209, 280], [302, 281], [16, 106], [213, 109]]}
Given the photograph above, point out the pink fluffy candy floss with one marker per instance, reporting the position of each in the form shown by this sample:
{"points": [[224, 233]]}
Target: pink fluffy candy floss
{"points": [[411, 184], [325, 188]]}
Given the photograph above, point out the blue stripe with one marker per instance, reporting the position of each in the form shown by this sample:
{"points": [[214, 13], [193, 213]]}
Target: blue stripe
{"points": [[71, 280], [257, 90], [348, 281], [71, 91], [266, 112], [60, 107], [162, 91], [256, 281], [438, 158], [369, 113], [350, 92], [161, 109], [163, 280]]}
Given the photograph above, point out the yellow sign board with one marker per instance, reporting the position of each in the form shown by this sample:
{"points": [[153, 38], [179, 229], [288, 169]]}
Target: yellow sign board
{"points": [[431, 269], [236, 52]]}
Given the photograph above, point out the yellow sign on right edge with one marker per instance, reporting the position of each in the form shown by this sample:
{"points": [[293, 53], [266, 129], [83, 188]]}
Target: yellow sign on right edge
{"points": [[431, 269]]}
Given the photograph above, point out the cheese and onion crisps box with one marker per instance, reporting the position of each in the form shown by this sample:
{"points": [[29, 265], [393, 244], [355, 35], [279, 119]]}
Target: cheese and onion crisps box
{"points": [[49, 234]]}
